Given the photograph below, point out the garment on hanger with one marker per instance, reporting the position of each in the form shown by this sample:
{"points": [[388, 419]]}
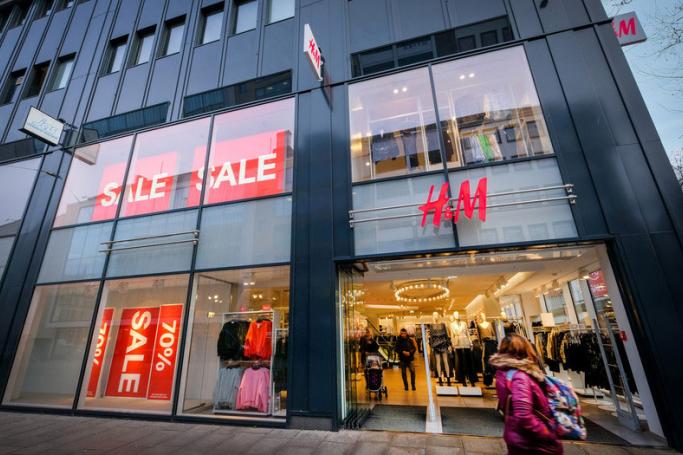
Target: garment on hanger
{"points": [[231, 339], [253, 391], [280, 364], [258, 341], [227, 386], [384, 147]]}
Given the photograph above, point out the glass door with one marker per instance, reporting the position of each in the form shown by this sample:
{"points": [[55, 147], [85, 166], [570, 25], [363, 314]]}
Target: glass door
{"points": [[354, 404]]}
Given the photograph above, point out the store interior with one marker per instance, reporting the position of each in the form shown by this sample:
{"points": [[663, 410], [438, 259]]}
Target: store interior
{"points": [[456, 309]]}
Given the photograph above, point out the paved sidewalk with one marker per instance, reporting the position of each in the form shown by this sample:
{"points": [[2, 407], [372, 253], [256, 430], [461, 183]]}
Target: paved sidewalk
{"points": [[50, 434]]}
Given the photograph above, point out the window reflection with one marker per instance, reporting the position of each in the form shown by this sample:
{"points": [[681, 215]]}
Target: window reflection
{"points": [[393, 127], [489, 109], [163, 167], [94, 182]]}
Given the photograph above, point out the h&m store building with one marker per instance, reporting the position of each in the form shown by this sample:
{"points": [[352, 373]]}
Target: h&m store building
{"points": [[221, 231]]}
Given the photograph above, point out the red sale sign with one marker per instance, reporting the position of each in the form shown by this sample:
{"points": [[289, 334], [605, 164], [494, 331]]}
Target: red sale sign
{"points": [[109, 192], [244, 168], [130, 366], [100, 349], [165, 352], [150, 184]]}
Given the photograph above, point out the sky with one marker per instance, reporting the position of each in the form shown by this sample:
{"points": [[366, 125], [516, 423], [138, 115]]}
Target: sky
{"points": [[663, 95]]}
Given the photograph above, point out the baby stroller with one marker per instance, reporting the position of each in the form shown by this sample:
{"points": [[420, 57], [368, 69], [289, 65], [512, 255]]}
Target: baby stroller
{"points": [[374, 377]]}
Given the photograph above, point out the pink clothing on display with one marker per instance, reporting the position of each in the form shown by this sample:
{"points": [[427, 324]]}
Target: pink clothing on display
{"points": [[253, 391]]}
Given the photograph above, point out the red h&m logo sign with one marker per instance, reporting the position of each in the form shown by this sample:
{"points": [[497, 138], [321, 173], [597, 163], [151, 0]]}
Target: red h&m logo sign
{"points": [[627, 29], [312, 51], [465, 202]]}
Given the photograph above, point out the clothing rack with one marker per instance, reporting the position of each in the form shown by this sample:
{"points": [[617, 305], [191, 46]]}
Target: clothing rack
{"points": [[274, 318]]}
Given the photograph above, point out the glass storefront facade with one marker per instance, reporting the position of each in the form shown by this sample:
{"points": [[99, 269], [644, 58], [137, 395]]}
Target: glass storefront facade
{"points": [[146, 226]]}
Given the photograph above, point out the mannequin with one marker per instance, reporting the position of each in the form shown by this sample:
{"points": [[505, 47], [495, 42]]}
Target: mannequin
{"points": [[488, 337], [440, 343], [464, 371]]}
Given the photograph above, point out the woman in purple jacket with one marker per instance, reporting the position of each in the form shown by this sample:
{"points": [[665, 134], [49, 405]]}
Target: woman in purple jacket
{"points": [[527, 429]]}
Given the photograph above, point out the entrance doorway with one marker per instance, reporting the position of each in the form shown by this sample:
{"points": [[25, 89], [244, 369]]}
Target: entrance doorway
{"points": [[449, 313]]}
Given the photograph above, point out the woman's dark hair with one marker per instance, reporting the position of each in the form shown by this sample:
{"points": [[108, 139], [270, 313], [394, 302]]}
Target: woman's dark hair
{"points": [[519, 347]]}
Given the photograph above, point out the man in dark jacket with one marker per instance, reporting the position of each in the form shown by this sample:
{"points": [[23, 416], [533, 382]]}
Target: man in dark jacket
{"points": [[405, 349]]}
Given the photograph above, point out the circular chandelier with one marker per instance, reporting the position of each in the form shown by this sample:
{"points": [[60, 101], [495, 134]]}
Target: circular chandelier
{"points": [[421, 291]]}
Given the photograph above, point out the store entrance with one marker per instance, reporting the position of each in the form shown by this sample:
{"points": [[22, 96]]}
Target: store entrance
{"points": [[441, 318]]}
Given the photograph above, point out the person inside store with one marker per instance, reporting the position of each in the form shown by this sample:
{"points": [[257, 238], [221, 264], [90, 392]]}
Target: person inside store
{"points": [[405, 350], [522, 398], [368, 345]]}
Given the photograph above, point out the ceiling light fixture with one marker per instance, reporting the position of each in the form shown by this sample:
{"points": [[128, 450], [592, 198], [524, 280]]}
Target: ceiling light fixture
{"points": [[422, 291]]}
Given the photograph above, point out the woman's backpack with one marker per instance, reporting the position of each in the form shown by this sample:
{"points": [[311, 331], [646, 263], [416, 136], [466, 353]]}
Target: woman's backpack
{"points": [[567, 421]]}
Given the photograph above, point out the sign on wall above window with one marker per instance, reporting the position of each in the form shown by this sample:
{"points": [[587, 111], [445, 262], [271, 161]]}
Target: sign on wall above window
{"points": [[43, 127], [628, 29], [313, 53]]}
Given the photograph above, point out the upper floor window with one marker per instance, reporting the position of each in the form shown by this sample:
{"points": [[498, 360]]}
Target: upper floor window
{"points": [[37, 80], [143, 46], [487, 106], [280, 9], [245, 16], [489, 109], [117, 52], [65, 67], [11, 89], [212, 24], [173, 37], [20, 15], [4, 16], [46, 8]]}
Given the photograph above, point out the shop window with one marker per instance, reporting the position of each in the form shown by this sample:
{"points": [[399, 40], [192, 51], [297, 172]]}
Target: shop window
{"points": [[52, 346], [252, 153], [37, 81], [16, 179], [489, 38], [519, 222], [489, 109], [173, 37], [65, 66], [554, 303], [144, 43], [579, 302], [123, 123], [91, 191], [238, 337], [248, 233], [467, 43], [11, 89], [373, 61], [75, 253], [280, 9], [414, 51], [245, 16], [166, 168], [134, 349], [153, 244], [211, 25], [116, 55], [398, 234], [393, 127]]}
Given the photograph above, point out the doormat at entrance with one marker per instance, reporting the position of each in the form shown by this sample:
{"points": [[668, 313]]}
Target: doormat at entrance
{"points": [[487, 422], [396, 418], [471, 421]]}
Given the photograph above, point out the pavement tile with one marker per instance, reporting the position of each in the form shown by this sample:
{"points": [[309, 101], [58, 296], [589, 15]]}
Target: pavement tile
{"points": [[370, 448], [347, 437], [442, 440], [649, 451], [573, 449], [295, 450], [335, 448], [265, 446], [486, 445], [393, 450], [374, 436], [603, 449], [308, 438], [410, 440], [438, 450]]}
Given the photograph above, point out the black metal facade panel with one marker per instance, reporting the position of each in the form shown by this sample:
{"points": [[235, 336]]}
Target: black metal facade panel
{"points": [[133, 88], [165, 79], [561, 15], [526, 18], [279, 48], [241, 61], [31, 42], [205, 68], [368, 24], [53, 36], [463, 12], [432, 14]]}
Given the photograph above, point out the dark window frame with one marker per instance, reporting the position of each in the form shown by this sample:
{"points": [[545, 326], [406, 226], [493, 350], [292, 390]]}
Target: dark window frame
{"points": [[234, 16], [139, 38], [31, 90], [114, 44], [53, 77], [201, 28], [13, 84], [169, 25]]}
